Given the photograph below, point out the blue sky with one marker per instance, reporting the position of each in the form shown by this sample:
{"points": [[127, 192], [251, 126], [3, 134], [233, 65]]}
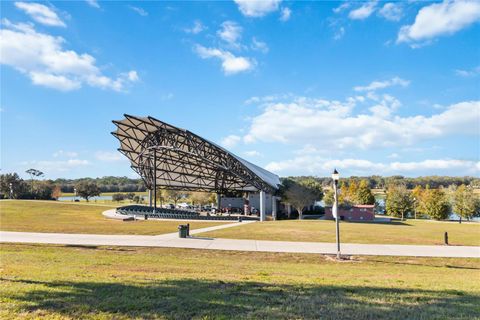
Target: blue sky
{"points": [[297, 87]]}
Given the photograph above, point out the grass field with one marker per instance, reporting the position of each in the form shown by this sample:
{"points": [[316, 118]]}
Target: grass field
{"points": [[138, 193], [396, 232], [46, 281], [51, 216]]}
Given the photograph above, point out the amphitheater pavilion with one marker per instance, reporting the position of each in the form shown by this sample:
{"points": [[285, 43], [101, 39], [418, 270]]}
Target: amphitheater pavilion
{"points": [[172, 158]]}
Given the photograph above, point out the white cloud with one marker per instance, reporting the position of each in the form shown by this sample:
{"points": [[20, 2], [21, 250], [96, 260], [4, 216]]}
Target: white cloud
{"points": [[196, 28], [339, 33], [231, 64], [375, 85], [139, 10], [344, 6], [468, 73], [391, 11], [259, 45], [108, 156], [49, 167], [252, 153], [363, 12], [334, 125], [393, 155], [230, 32], [230, 141], [257, 8], [43, 59], [285, 14], [167, 96], [440, 19], [41, 13], [93, 3], [62, 153], [319, 165]]}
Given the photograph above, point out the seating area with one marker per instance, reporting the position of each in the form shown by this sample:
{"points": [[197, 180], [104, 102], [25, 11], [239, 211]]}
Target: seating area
{"points": [[163, 213]]}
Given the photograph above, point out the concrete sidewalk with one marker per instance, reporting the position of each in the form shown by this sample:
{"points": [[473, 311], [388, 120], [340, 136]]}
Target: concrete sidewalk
{"points": [[172, 241]]}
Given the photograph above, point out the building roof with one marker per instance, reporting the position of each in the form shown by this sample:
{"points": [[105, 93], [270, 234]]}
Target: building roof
{"points": [[186, 161]]}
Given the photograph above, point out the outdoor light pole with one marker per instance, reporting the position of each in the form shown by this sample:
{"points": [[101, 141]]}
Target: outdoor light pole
{"points": [[74, 194], [11, 190], [335, 177]]}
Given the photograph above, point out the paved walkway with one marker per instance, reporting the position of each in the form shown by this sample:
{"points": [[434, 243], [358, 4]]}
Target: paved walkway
{"points": [[171, 240]]}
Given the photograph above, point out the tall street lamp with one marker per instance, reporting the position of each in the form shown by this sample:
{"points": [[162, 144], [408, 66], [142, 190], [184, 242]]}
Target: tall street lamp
{"points": [[74, 194], [11, 190], [335, 178]]}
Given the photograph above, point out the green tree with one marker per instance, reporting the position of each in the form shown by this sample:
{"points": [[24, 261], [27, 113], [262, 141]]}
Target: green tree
{"points": [[162, 195], [175, 195], [352, 192], [398, 201], [118, 197], [329, 198], [435, 204], [19, 187], [200, 198], [87, 189], [364, 194], [300, 196], [465, 203], [417, 197]]}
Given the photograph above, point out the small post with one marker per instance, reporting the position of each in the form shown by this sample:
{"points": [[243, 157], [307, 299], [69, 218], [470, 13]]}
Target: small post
{"points": [[188, 229], [446, 238]]}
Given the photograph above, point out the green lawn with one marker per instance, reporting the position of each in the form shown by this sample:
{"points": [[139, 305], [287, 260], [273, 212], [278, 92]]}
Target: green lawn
{"points": [[396, 232], [54, 282], [138, 193], [52, 216]]}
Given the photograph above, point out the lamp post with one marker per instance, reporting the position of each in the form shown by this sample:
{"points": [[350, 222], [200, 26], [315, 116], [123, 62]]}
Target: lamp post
{"points": [[11, 190], [335, 177], [74, 194], [415, 207]]}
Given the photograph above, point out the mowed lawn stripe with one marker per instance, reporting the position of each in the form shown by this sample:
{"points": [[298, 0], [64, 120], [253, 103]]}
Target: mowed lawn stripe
{"points": [[90, 282], [422, 232], [46, 216]]}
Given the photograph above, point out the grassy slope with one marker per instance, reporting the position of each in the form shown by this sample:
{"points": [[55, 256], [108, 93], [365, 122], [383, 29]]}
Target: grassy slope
{"points": [[100, 282], [49, 216], [409, 232]]}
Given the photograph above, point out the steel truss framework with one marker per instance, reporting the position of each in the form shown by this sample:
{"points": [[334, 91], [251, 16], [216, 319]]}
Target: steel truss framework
{"points": [[172, 158]]}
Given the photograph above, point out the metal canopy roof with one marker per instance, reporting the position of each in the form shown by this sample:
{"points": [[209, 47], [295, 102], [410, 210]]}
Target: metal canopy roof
{"points": [[186, 161]]}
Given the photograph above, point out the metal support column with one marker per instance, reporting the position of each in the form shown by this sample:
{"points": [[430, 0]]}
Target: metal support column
{"points": [[150, 198], [154, 180], [219, 202], [274, 208], [262, 205]]}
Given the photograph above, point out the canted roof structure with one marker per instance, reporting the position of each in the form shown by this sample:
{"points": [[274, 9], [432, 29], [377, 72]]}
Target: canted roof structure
{"points": [[177, 159]]}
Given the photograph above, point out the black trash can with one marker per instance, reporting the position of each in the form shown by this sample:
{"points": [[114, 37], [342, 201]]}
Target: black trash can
{"points": [[240, 218], [182, 231]]}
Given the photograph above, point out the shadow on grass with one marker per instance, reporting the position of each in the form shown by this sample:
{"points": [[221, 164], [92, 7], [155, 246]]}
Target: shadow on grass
{"points": [[202, 299]]}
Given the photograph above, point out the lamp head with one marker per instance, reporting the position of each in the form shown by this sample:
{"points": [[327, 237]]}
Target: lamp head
{"points": [[335, 175]]}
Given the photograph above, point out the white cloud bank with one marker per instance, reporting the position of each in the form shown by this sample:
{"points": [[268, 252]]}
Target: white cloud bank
{"points": [[230, 32], [230, 141], [257, 8], [231, 64], [363, 12], [43, 59], [318, 164], [41, 13], [376, 85], [440, 19], [334, 124]]}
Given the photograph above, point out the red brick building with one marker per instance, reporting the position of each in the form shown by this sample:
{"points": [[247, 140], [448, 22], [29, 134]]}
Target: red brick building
{"points": [[364, 212]]}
